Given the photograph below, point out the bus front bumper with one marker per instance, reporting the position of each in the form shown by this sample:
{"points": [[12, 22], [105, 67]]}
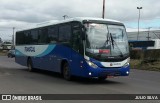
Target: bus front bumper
{"points": [[105, 72]]}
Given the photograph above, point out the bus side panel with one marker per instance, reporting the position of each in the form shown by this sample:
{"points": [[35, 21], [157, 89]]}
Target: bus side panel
{"points": [[36, 61], [77, 64], [59, 54], [52, 61], [74, 59], [22, 60]]}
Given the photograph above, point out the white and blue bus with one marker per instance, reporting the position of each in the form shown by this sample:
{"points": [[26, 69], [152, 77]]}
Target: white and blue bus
{"points": [[85, 47]]}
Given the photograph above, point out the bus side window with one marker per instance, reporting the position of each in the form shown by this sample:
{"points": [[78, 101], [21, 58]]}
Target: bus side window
{"points": [[52, 35], [77, 44], [33, 38], [65, 33], [27, 37], [20, 38], [42, 39]]}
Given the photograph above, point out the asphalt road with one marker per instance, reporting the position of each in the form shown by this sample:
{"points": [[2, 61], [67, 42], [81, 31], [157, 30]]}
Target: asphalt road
{"points": [[15, 79]]}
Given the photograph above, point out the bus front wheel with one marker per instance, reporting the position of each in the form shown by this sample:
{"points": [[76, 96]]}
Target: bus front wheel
{"points": [[30, 65], [66, 71]]}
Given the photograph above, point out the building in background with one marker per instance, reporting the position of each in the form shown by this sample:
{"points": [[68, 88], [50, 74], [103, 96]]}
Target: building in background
{"points": [[144, 35], [147, 39]]}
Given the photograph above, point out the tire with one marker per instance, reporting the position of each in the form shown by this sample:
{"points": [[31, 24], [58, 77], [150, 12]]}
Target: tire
{"points": [[102, 78], [30, 65], [66, 71]]}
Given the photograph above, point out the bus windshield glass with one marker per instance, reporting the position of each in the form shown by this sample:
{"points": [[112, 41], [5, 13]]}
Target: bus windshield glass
{"points": [[106, 41]]}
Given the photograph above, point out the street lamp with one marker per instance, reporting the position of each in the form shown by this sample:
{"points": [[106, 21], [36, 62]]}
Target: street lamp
{"points": [[139, 8]]}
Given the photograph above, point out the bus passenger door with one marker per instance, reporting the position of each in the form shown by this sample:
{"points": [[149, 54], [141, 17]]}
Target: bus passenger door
{"points": [[77, 48]]}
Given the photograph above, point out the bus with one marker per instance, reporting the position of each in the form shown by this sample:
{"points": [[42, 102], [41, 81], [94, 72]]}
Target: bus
{"points": [[83, 47]]}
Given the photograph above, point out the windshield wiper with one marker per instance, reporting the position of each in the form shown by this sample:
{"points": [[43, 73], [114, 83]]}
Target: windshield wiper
{"points": [[106, 42], [108, 39], [113, 42]]}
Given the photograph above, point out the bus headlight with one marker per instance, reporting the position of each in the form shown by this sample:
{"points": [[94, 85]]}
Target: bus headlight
{"points": [[126, 65], [91, 64]]}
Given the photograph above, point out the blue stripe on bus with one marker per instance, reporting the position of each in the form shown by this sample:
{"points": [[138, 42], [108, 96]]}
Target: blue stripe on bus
{"points": [[18, 53], [47, 51]]}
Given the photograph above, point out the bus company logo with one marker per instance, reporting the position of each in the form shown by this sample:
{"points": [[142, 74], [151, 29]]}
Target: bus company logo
{"points": [[29, 49], [115, 64]]}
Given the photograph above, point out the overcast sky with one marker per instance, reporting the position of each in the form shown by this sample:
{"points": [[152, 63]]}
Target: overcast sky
{"points": [[21, 13]]}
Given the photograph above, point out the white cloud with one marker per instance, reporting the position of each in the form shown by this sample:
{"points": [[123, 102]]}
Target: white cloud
{"points": [[17, 13], [41, 10]]}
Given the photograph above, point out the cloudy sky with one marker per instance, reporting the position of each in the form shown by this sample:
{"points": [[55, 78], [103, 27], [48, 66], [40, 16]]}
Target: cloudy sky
{"points": [[22, 13]]}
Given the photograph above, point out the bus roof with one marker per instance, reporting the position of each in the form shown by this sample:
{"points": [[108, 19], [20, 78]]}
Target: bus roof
{"points": [[80, 19]]}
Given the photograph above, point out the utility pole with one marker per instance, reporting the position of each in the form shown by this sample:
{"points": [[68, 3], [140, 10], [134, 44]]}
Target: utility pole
{"points": [[13, 36], [103, 12], [148, 33]]}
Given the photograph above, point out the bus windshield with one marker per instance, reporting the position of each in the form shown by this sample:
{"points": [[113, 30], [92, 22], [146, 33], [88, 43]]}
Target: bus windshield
{"points": [[106, 41]]}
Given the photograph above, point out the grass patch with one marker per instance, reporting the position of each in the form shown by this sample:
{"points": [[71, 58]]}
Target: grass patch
{"points": [[139, 64], [135, 63]]}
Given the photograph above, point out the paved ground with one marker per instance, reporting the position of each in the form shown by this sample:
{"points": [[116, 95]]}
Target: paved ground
{"points": [[16, 79]]}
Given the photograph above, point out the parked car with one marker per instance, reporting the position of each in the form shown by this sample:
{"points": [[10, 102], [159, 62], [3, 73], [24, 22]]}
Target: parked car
{"points": [[11, 53]]}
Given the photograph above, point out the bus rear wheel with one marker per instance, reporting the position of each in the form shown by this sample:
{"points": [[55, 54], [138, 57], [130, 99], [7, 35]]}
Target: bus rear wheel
{"points": [[30, 65], [66, 72]]}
